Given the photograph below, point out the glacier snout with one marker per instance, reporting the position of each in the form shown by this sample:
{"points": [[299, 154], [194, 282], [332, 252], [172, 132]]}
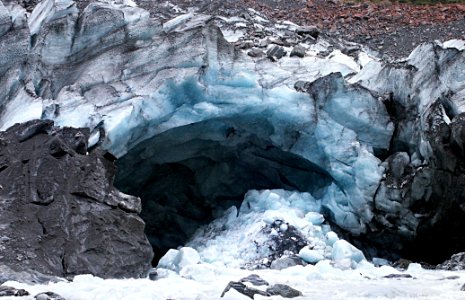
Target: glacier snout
{"points": [[195, 122]]}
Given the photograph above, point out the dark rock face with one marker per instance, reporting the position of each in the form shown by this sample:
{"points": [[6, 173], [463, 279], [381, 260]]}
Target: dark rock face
{"points": [[424, 201], [420, 200], [60, 214], [455, 263]]}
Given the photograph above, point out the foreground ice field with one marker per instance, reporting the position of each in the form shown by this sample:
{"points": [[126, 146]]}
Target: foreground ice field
{"points": [[315, 282]]}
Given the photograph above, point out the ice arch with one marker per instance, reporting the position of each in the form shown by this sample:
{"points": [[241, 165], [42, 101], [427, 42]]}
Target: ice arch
{"points": [[187, 175]]}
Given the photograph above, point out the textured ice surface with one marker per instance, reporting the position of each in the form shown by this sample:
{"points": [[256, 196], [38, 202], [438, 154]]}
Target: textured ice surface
{"points": [[322, 282], [250, 237], [114, 67], [175, 260], [310, 256], [136, 78]]}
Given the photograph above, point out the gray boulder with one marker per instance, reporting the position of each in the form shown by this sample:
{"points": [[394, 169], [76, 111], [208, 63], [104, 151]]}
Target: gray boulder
{"points": [[455, 263], [6, 291], [60, 214], [48, 296]]}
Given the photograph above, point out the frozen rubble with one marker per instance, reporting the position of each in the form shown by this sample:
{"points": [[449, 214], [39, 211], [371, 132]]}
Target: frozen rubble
{"points": [[270, 225]]}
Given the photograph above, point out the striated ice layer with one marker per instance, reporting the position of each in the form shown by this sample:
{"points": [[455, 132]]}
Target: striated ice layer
{"points": [[111, 66]]}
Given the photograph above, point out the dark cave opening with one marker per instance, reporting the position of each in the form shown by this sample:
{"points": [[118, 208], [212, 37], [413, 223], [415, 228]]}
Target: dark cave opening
{"points": [[187, 175]]}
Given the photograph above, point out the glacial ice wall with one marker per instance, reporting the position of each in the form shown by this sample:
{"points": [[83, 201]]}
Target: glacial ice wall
{"points": [[113, 66], [137, 81]]}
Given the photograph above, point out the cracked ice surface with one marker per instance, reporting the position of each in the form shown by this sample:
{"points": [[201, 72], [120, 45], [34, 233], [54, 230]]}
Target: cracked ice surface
{"points": [[138, 78]]}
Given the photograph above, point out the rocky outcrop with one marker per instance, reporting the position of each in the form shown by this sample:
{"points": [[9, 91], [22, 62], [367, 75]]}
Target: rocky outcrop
{"points": [[455, 263], [60, 214], [420, 201]]}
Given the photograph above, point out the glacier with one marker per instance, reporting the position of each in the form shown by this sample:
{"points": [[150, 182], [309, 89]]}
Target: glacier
{"points": [[197, 122]]}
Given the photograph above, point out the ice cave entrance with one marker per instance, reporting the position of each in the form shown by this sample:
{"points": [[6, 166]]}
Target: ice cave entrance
{"points": [[188, 175]]}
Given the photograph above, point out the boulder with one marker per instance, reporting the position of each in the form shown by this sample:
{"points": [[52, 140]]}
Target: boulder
{"points": [[254, 279], [298, 51], [6, 291], [275, 52], [244, 290], [312, 31], [60, 214], [284, 291], [48, 296]]}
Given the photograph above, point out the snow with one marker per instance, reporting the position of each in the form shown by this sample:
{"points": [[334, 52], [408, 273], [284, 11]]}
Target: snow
{"points": [[233, 35], [321, 282], [19, 111], [457, 44]]}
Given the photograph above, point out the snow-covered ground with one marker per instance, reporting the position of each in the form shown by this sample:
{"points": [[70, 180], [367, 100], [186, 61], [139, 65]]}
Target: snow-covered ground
{"points": [[205, 281], [270, 226]]}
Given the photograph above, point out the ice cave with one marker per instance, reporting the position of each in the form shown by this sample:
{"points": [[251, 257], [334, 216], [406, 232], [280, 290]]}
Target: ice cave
{"points": [[189, 175], [270, 147]]}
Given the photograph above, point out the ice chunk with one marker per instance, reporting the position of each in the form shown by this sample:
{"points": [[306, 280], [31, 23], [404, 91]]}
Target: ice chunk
{"points": [[171, 24], [176, 260], [315, 218], [414, 267], [380, 261], [331, 238], [344, 250], [266, 219], [168, 261], [50, 10], [310, 256]]}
